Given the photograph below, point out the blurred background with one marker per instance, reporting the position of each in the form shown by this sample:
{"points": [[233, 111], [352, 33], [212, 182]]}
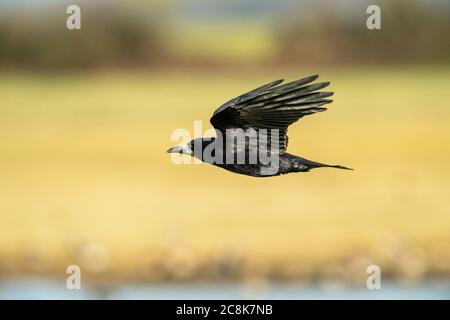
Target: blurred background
{"points": [[86, 117]]}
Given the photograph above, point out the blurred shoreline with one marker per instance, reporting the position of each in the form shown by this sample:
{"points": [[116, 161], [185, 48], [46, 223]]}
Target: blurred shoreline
{"points": [[55, 289]]}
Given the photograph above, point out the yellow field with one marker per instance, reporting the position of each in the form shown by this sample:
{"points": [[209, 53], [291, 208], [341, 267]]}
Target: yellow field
{"points": [[84, 179]]}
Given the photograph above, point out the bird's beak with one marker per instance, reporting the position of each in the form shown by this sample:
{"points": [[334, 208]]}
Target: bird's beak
{"points": [[176, 149]]}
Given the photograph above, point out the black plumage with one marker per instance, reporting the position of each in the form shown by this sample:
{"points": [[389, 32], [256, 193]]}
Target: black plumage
{"points": [[262, 114]]}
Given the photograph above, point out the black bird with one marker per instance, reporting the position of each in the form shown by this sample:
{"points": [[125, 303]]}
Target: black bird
{"points": [[261, 114]]}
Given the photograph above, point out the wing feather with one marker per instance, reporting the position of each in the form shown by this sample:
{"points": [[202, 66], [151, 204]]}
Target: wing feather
{"points": [[273, 106]]}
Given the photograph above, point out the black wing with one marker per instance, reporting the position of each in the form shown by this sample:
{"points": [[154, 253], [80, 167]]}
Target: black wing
{"points": [[273, 106]]}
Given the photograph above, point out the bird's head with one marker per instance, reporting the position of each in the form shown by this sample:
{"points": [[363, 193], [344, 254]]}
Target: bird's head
{"points": [[192, 148], [187, 148]]}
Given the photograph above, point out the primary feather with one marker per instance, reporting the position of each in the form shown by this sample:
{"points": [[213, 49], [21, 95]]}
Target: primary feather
{"points": [[273, 106]]}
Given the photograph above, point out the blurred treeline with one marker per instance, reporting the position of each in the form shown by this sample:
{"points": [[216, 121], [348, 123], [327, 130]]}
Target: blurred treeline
{"points": [[144, 34], [411, 32], [111, 34]]}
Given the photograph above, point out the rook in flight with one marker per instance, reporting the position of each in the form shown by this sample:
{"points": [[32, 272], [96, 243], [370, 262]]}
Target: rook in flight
{"points": [[259, 119]]}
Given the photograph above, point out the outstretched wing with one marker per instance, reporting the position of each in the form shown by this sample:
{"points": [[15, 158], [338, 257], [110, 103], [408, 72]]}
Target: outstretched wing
{"points": [[273, 106]]}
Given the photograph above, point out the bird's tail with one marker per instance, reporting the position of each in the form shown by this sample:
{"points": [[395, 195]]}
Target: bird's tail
{"points": [[313, 164]]}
